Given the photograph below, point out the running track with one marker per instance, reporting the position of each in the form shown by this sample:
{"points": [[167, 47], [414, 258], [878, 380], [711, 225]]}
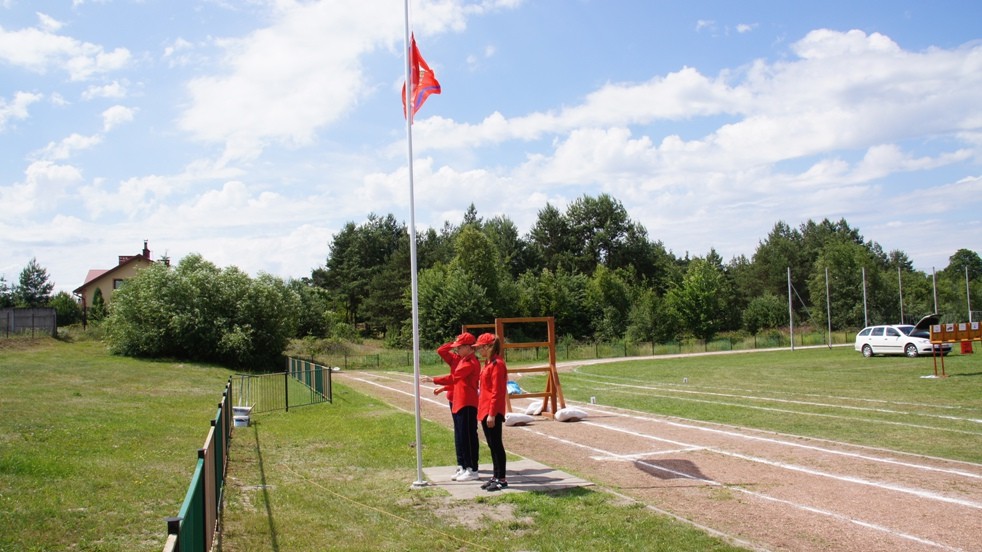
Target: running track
{"points": [[760, 490]]}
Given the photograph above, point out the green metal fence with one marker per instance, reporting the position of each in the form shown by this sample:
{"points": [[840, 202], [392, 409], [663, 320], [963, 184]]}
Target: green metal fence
{"points": [[302, 383], [193, 529]]}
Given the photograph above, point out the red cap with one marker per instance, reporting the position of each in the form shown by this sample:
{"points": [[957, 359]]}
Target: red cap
{"points": [[463, 339], [485, 339]]}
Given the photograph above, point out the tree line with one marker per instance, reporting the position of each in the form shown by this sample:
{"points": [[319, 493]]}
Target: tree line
{"points": [[33, 289], [591, 267], [603, 278]]}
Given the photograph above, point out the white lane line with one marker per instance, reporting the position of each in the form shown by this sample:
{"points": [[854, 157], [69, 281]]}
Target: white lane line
{"points": [[801, 413], [787, 401], [804, 507], [635, 456], [865, 457], [811, 509], [793, 467], [673, 386], [728, 433]]}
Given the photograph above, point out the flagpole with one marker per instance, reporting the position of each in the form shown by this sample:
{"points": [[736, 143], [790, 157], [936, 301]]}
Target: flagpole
{"points": [[410, 109]]}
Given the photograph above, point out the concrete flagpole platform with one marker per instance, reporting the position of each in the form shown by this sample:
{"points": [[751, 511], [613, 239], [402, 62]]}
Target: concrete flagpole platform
{"points": [[523, 476]]}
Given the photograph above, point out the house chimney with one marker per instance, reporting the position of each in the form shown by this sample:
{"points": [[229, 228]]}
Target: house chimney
{"points": [[146, 252]]}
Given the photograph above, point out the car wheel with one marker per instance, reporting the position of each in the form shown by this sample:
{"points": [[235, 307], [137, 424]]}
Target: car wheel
{"points": [[910, 350], [867, 351]]}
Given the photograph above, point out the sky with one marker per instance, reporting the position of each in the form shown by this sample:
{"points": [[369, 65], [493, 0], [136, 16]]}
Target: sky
{"points": [[251, 131]]}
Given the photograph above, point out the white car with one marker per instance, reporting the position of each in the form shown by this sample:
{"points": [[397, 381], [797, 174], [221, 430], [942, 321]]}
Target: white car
{"points": [[900, 339]]}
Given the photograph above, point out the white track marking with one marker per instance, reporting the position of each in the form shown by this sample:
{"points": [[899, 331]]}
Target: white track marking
{"points": [[789, 401], [802, 413], [761, 496], [671, 386], [793, 467], [635, 456], [771, 440], [876, 527]]}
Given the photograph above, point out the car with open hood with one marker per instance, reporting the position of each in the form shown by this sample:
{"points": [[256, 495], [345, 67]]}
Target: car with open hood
{"points": [[901, 339]]}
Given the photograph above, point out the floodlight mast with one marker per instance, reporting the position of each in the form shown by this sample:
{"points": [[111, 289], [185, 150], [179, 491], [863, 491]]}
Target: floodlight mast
{"points": [[790, 311]]}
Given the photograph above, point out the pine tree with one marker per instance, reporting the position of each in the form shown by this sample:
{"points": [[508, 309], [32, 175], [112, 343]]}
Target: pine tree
{"points": [[34, 289]]}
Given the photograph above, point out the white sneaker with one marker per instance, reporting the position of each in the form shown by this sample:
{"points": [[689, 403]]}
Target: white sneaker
{"points": [[468, 475], [460, 471]]}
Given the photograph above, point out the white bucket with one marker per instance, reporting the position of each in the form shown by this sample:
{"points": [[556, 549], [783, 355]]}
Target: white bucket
{"points": [[240, 416]]}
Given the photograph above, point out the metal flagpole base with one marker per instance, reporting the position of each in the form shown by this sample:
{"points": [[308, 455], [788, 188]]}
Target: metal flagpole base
{"points": [[420, 484]]}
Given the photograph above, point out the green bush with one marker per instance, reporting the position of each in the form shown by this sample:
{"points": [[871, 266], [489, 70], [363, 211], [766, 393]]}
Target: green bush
{"points": [[200, 312]]}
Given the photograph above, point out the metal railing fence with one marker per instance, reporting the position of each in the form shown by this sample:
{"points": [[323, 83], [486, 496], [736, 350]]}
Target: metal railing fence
{"points": [[302, 383]]}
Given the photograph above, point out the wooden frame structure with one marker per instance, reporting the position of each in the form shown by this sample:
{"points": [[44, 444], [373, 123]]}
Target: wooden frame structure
{"points": [[552, 397], [952, 333]]}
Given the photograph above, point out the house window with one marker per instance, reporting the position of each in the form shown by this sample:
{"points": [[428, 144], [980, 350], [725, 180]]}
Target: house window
{"points": [[118, 283]]}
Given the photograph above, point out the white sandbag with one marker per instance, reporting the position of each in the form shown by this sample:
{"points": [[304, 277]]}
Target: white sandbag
{"points": [[517, 419], [570, 414], [534, 409]]}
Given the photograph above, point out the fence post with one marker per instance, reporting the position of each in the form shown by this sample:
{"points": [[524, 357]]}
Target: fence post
{"points": [[286, 390]]}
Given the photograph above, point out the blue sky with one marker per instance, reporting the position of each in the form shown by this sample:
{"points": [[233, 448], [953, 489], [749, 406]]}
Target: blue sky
{"points": [[250, 131]]}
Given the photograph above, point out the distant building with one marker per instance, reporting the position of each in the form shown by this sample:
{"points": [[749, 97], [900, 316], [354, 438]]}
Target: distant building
{"points": [[110, 279]]}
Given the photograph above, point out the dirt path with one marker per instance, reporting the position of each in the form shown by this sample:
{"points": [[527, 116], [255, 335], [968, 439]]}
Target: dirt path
{"points": [[762, 490]]}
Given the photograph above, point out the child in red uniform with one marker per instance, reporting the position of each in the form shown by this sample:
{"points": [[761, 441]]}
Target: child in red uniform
{"points": [[491, 405], [462, 380]]}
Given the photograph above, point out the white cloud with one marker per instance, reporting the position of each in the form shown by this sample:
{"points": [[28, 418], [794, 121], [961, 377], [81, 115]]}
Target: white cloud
{"points": [[705, 24], [180, 53], [58, 100], [282, 83], [113, 90], [68, 146], [41, 50], [49, 23], [784, 129], [850, 90], [17, 109], [45, 184], [115, 116]]}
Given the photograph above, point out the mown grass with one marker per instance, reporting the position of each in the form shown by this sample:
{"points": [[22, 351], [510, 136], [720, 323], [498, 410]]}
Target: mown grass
{"points": [[827, 393], [96, 450], [339, 477]]}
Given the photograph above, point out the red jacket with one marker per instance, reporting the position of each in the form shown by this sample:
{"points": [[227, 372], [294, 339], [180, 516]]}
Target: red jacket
{"points": [[463, 376], [494, 388]]}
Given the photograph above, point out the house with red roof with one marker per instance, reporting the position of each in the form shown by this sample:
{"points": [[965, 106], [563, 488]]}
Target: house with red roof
{"points": [[110, 279]]}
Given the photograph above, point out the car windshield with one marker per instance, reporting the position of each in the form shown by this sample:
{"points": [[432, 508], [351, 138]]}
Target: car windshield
{"points": [[906, 329]]}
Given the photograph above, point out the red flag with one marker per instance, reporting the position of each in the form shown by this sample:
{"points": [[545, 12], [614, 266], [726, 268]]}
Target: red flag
{"points": [[421, 77]]}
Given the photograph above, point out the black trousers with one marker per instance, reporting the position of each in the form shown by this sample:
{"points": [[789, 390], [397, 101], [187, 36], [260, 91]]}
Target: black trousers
{"points": [[465, 437], [493, 436]]}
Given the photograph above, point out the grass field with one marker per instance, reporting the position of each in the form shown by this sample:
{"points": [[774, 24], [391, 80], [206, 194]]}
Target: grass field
{"points": [[827, 393], [96, 450]]}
